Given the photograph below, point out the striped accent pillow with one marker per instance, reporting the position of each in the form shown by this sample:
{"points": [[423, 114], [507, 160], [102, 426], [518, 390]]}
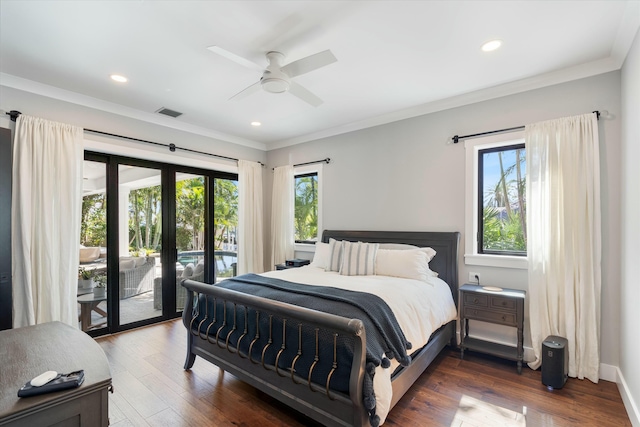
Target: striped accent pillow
{"points": [[335, 255], [358, 259]]}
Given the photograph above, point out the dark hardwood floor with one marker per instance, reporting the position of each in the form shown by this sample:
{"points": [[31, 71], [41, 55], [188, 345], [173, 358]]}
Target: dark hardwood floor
{"points": [[152, 389]]}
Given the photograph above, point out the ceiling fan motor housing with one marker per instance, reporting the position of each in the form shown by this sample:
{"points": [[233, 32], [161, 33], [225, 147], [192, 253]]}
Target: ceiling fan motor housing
{"points": [[274, 80]]}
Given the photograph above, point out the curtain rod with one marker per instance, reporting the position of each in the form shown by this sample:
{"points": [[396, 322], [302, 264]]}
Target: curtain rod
{"points": [[13, 114], [326, 160], [455, 138]]}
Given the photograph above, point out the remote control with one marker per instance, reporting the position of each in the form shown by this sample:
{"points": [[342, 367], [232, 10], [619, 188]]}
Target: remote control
{"points": [[42, 379]]}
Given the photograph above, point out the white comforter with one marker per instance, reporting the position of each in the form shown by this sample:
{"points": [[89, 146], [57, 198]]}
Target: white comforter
{"points": [[419, 307]]}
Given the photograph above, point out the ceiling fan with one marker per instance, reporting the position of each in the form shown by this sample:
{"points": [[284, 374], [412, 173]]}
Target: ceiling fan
{"points": [[277, 78]]}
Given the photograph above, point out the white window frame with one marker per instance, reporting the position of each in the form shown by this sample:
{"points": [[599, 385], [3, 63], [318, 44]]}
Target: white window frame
{"points": [[471, 255], [301, 170]]}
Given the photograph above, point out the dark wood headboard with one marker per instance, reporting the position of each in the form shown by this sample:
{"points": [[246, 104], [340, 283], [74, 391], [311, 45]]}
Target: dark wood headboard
{"points": [[445, 263]]}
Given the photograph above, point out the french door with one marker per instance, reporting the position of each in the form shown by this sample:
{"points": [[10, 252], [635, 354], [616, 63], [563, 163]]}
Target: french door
{"points": [[151, 225]]}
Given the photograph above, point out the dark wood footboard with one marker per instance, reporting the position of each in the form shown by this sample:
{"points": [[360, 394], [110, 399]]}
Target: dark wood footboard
{"points": [[314, 400]]}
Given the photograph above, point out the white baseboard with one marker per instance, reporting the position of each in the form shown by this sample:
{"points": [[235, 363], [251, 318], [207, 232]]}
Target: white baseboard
{"points": [[608, 372], [627, 399]]}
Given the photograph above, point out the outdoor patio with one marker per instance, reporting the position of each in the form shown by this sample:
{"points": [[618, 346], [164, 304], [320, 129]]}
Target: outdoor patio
{"points": [[132, 309]]}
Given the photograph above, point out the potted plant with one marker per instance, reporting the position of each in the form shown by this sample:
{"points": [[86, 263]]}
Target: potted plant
{"points": [[100, 287], [85, 278]]}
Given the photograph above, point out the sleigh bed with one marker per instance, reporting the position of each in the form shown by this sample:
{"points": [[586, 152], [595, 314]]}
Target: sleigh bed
{"points": [[317, 361]]}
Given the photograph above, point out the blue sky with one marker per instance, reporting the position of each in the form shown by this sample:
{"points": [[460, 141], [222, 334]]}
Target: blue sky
{"points": [[492, 168]]}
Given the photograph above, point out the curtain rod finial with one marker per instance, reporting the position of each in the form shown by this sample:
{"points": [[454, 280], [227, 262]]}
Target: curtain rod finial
{"points": [[13, 114], [455, 139]]}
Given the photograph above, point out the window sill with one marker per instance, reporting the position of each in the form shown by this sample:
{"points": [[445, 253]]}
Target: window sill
{"points": [[305, 247], [503, 261]]}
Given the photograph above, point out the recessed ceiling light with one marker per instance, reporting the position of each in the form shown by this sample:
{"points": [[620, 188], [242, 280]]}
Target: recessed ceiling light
{"points": [[491, 45], [255, 123], [118, 78]]}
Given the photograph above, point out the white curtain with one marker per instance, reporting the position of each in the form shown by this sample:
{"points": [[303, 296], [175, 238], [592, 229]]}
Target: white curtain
{"points": [[282, 212], [250, 231], [46, 204], [564, 242]]}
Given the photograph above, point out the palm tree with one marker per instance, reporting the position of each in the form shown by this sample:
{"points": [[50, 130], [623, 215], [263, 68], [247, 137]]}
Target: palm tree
{"points": [[225, 209], [145, 218], [306, 208], [190, 213], [506, 232]]}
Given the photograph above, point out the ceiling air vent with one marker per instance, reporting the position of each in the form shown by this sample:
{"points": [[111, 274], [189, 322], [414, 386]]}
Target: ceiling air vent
{"points": [[168, 112]]}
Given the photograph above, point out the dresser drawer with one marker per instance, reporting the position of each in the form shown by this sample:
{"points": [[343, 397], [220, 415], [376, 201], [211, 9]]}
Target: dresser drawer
{"points": [[502, 303], [509, 319], [476, 300]]}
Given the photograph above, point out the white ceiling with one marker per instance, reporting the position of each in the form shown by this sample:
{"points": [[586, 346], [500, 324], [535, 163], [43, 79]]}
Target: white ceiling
{"points": [[396, 59]]}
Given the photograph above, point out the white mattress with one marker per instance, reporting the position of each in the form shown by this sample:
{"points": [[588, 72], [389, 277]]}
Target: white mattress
{"points": [[420, 308]]}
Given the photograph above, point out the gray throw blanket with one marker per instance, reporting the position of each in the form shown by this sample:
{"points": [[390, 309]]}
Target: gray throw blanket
{"points": [[384, 335]]}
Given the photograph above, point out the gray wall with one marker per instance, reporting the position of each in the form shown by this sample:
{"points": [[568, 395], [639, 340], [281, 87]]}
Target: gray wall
{"points": [[630, 287], [405, 176]]}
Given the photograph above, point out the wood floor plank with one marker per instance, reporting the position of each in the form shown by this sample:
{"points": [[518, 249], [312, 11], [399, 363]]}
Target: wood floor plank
{"points": [[145, 402], [167, 418], [190, 415], [133, 418], [152, 388]]}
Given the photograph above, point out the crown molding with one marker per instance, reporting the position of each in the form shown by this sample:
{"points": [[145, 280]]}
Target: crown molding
{"points": [[536, 82], [53, 92]]}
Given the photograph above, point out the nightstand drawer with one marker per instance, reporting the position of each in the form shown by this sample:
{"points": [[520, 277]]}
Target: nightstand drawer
{"points": [[476, 300], [503, 303], [508, 319]]}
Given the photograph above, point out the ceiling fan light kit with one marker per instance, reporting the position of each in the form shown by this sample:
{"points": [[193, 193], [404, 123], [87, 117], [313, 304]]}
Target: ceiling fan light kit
{"points": [[274, 85]]}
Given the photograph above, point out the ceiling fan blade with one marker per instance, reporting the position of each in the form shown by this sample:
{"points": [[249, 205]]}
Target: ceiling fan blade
{"points": [[310, 63], [247, 91], [302, 93], [235, 58]]}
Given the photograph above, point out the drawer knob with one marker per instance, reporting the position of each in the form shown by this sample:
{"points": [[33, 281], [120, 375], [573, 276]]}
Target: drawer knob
{"points": [[475, 300], [504, 303], [504, 317]]}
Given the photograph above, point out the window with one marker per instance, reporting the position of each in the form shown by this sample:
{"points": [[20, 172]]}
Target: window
{"points": [[495, 211], [306, 208], [502, 201]]}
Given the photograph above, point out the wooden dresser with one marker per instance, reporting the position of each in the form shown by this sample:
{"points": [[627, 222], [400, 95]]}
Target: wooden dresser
{"points": [[28, 352]]}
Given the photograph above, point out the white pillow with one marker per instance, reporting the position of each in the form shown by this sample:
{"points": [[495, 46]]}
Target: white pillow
{"points": [[127, 264], [403, 247], [321, 257], [397, 246], [335, 255], [188, 271], [199, 268], [358, 259], [140, 260], [430, 253], [408, 264]]}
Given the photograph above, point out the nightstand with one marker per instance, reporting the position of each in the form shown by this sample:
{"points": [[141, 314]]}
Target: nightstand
{"points": [[293, 263], [504, 307]]}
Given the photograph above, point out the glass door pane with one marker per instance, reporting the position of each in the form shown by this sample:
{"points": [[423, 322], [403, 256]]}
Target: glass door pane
{"points": [[92, 271], [140, 237], [225, 219], [190, 232]]}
